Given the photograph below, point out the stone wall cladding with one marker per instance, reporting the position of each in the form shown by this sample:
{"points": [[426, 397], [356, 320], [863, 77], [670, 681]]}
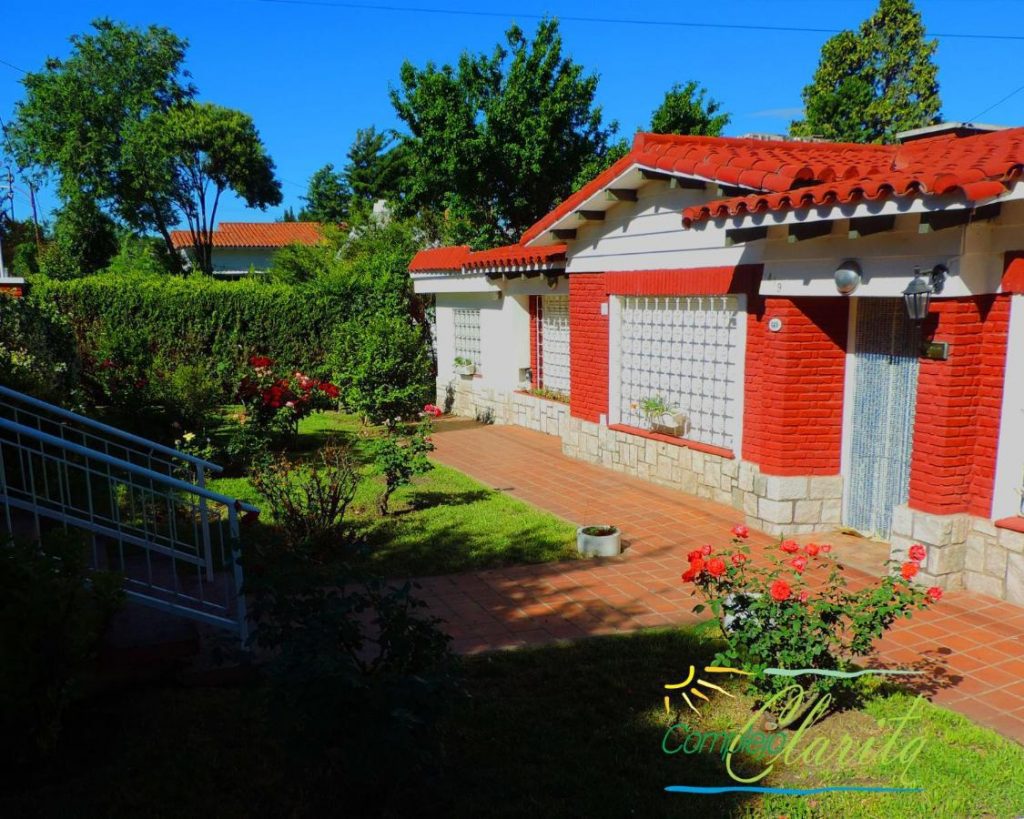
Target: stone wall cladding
{"points": [[779, 505], [964, 552], [467, 398]]}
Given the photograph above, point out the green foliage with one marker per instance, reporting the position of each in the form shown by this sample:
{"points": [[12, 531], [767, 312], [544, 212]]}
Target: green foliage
{"points": [[145, 255], [359, 677], [687, 109], [499, 139], [20, 252], [297, 262], [308, 501], [376, 169], [874, 83], [78, 114], [51, 620], [653, 407], [772, 617], [327, 197], [84, 241], [37, 350], [191, 154], [382, 365], [399, 457]]}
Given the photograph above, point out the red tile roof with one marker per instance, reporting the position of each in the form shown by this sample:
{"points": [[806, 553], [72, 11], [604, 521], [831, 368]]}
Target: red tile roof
{"points": [[516, 257], [752, 163], [439, 258], [975, 167], [256, 234]]}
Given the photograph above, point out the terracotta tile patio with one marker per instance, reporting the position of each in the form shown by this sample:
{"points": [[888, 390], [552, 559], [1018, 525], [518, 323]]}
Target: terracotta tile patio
{"points": [[971, 646]]}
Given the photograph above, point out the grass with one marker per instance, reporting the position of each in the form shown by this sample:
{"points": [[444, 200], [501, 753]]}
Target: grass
{"points": [[557, 731], [445, 522]]}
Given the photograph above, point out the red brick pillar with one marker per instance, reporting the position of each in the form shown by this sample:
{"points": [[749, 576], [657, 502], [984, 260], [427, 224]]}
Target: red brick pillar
{"points": [[588, 329], [956, 427], [793, 399], [535, 347], [15, 288]]}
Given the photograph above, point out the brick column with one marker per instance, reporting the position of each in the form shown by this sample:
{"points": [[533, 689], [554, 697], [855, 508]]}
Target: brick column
{"points": [[535, 329], [588, 361]]}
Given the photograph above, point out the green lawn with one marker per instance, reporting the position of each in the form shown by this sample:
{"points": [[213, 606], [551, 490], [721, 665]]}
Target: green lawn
{"points": [[446, 522], [559, 731]]}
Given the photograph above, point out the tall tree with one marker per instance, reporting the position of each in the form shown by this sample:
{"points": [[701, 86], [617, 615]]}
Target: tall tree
{"points": [[327, 197], [193, 153], [687, 109], [499, 139], [376, 167], [874, 83], [76, 113]]}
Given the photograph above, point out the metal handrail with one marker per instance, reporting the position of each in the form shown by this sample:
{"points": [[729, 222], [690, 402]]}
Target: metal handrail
{"points": [[107, 429], [127, 466]]}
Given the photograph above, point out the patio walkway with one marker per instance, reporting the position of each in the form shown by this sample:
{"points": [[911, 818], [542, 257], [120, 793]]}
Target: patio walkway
{"points": [[971, 646]]}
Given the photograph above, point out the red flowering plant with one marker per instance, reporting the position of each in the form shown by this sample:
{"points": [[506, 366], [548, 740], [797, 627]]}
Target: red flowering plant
{"points": [[772, 617], [274, 403]]}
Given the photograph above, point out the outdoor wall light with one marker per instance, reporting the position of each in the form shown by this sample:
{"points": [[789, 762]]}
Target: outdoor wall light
{"points": [[918, 295], [847, 277]]}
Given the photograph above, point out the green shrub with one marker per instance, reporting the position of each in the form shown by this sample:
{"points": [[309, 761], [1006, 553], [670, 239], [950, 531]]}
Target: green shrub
{"points": [[383, 366], [37, 350], [398, 458], [51, 620]]}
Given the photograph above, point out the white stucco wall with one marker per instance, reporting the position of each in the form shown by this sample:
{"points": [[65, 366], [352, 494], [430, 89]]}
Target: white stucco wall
{"points": [[240, 260]]}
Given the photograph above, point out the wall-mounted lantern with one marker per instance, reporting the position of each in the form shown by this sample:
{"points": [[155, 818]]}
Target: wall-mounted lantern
{"points": [[918, 295]]}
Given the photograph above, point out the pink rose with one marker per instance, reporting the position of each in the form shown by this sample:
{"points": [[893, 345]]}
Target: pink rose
{"points": [[741, 531], [917, 552], [799, 564]]}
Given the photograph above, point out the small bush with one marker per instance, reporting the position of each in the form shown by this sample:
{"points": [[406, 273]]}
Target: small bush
{"points": [[37, 351], [399, 458], [309, 500], [383, 366], [51, 621]]}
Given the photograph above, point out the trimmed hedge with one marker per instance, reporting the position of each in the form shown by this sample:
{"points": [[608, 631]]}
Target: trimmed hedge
{"points": [[185, 319]]}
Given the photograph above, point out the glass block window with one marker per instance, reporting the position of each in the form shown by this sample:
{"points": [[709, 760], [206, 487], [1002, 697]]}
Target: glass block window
{"points": [[554, 336], [684, 349], [467, 334]]}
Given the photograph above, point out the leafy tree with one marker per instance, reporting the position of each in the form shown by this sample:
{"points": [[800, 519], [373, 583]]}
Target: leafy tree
{"points": [[874, 83], [498, 140], [77, 113], [376, 167], [84, 241], [687, 109], [193, 153], [327, 197]]}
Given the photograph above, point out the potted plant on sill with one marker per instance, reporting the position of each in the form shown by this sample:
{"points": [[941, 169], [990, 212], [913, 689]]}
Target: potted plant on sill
{"points": [[599, 541], [662, 418], [464, 366]]}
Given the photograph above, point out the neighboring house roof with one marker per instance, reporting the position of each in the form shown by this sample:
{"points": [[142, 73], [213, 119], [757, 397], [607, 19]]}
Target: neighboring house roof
{"points": [[496, 260], [977, 167], [256, 234]]}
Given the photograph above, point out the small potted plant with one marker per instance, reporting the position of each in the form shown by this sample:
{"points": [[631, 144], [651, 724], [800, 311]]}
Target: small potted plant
{"points": [[598, 541], [662, 418], [464, 366]]}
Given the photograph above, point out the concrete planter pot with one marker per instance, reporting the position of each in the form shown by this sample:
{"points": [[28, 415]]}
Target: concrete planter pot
{"points": [[598, 541], [466, 370], [670, 423]]}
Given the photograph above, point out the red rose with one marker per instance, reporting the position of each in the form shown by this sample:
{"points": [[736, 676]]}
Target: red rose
{"points": [[909, 569], [790, 546], [738, 559], [780, 590], [741, 531], [716, 567], [260, 361], [826, 548], [917, 552], [705, 549], [812, 549], [432, 409], [696, 567], [799, 563], [694, 555], [934, 594]]}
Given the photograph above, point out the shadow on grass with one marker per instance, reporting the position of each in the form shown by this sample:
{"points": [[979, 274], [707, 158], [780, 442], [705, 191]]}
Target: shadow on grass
{"points": [[426, 499]]}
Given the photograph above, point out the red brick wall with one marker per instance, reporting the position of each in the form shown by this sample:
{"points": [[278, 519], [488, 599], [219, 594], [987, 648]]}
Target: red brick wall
{"points": [[15, 291], [793, 401], [535, 325], [588, 352], [958, 406]]}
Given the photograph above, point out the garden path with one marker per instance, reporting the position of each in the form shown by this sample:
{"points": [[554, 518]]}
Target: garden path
{"points": [[970, 646]]}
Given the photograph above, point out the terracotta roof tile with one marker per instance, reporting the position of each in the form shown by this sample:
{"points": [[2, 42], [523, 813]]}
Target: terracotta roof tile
{"points": [[439, 258], [516, 257], [977, 167], [256, 234]]}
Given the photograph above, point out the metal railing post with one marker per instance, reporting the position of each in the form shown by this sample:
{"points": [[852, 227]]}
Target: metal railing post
{"points": [[236, 568]]}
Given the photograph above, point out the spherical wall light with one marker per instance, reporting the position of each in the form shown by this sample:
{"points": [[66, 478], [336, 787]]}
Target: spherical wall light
{"points": [[847, 277]]}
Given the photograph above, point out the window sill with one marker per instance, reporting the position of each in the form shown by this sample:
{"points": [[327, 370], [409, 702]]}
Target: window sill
{"points": [[697, 446], [529, 394], [1014, 524]]}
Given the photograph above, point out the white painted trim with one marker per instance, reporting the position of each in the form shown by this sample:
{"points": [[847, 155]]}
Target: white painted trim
{"points": [[1006, 500], [740, 387], [614, 353], [849, 391]]}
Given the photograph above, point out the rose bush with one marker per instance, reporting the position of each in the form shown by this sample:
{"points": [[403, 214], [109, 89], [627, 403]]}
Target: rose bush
{"points": [[274, 403], [772, 617]]}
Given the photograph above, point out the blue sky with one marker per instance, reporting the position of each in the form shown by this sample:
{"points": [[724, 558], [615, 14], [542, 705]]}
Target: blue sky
{"points": [[312, 72]]}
